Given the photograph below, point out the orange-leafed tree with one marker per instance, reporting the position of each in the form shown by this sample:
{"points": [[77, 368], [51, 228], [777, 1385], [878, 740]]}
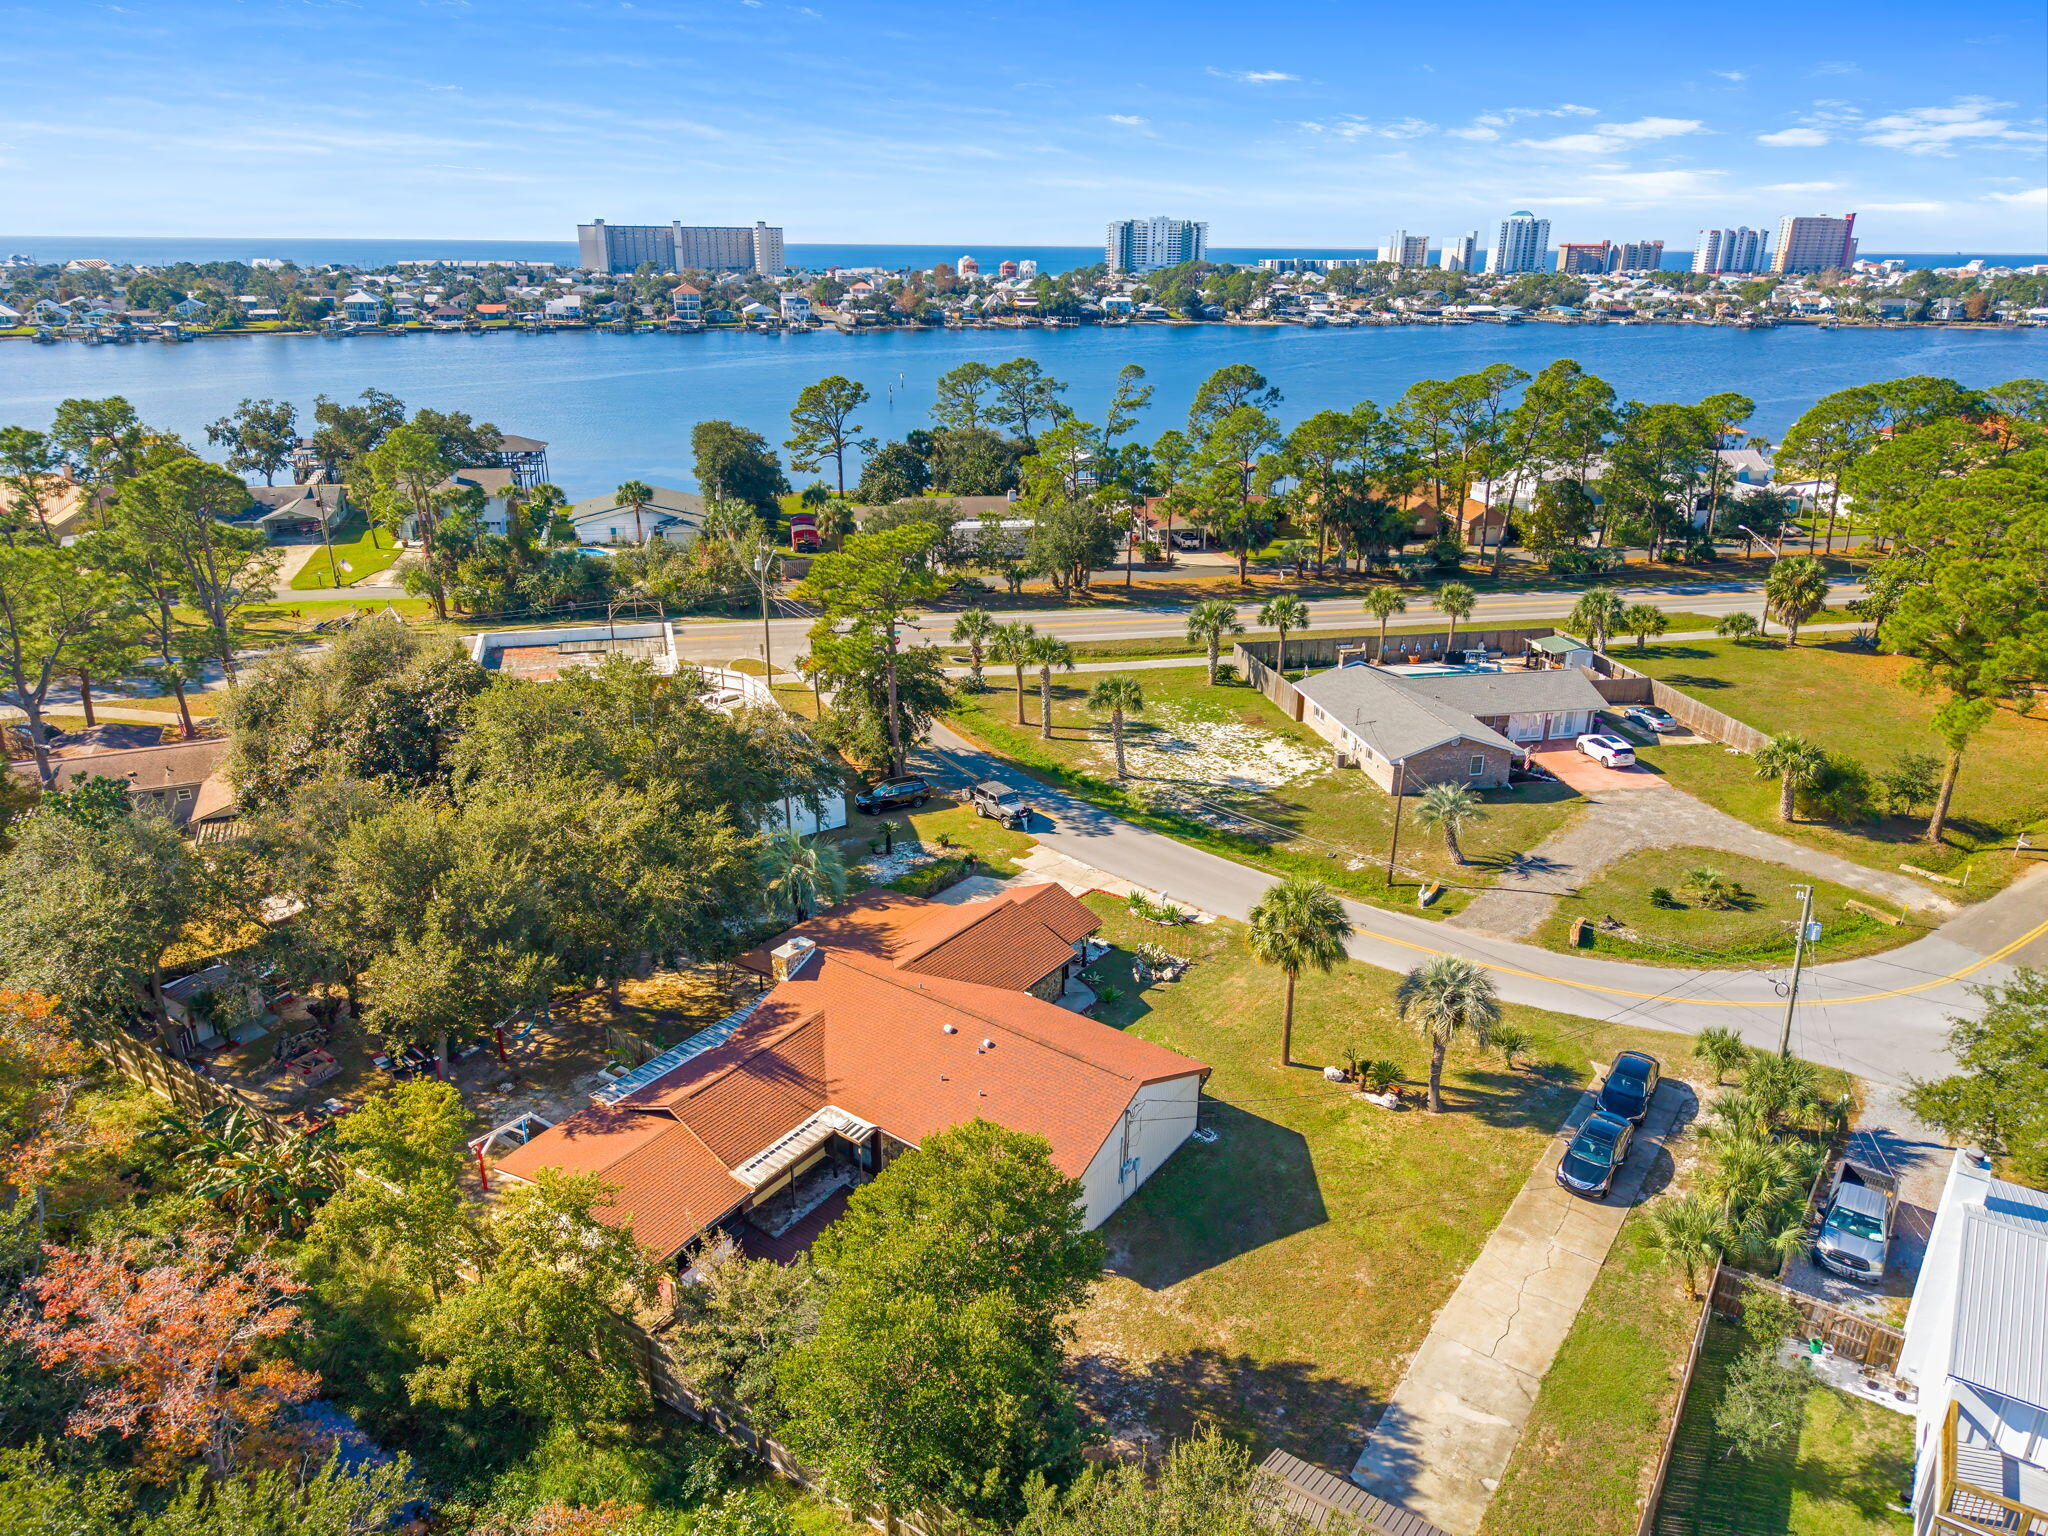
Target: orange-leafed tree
{"points": [[42, 1067], [178, 1346]]}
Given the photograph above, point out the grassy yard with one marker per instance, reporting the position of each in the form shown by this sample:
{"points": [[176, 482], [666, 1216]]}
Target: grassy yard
{"points": [[1276, 1282], [1588, 1452], [1854, 702], [1756, 931], [1222, 756], [1842, 1477], [359, 552]]}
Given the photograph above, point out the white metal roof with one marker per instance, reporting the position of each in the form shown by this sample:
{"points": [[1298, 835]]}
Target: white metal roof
{"points": [[2001, 1321]]}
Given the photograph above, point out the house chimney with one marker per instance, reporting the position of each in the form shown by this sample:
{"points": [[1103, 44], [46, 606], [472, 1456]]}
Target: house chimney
{"points": [[788, 960]]}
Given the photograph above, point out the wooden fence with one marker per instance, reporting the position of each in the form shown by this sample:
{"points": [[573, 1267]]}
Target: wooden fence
{"points": [[1318, 648], [1855, 1338], [1624, 685], [173, 1080], [1647, 1524]]}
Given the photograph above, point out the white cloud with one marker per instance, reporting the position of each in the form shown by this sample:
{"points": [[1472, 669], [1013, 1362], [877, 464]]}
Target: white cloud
{"points": [[1606, 138], [1730, 74], [1131, 120], [1938, 130], [1478, 132], [1836, 67], [1793, 138], [1252, 76], [2033, 197], [1902, 207], [1657, 186], [1364, 128], [1795, 188]]}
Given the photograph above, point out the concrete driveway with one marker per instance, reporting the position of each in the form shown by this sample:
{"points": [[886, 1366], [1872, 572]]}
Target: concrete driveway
{"points": [[1580, 772], [1451, 1426]]}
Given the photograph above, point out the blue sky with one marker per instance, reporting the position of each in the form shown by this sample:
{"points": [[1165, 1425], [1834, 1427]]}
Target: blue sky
{"points": [[1319, 124]]}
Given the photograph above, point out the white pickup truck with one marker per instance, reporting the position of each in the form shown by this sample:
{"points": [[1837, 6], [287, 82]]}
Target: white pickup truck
{"points": [[1855, 1229]]}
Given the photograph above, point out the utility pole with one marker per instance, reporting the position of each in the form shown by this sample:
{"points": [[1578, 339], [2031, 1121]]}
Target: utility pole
{"points": [[1394, 842], [1798, 962]]}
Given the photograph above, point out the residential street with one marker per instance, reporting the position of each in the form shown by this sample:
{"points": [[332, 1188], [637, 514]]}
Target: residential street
{"points": [[1882, 1017]]}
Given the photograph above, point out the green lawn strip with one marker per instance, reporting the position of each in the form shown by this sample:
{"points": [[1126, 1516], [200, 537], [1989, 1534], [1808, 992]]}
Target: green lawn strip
{"points": [[358, 550], [1757, 932], [1277, 1281], [1333, 824], [1851, 1461], [1587, 1454], [948, 830], [1856, 703]]}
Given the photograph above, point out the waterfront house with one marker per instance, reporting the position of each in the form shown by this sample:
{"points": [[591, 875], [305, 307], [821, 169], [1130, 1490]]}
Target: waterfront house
{"points": [[362, 307], [886, 1020], [686, 304], [285, 510], [672, 516], [496, 484], [1976, 1347]]}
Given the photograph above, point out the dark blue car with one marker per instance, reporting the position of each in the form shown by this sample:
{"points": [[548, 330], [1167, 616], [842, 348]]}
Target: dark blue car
{"points": [[1596, 1152], [1630, 1083]]}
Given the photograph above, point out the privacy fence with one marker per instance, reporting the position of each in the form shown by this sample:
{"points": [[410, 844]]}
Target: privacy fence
{"points": [[1624, 685]]}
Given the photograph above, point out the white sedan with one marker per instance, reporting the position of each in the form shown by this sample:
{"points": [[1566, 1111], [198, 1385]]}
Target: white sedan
{"points": [[1610, 751]]}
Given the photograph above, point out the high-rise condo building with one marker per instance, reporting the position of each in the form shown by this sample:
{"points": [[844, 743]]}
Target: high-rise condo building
{"points": [[1740, 249], [1814, 244], [1583, 256], [1523, 244], [679, 247], [1637, 256], [1405, 250], [1460, 253], [1146, 245]]}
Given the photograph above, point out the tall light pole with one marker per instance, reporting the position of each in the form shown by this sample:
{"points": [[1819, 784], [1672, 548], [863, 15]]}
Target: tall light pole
{"points": [[1798, 962], [764, 560]]}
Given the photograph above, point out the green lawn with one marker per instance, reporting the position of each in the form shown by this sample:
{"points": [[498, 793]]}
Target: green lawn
{"points": [[1854, 702], [1757, 931], [1850, 1463], [1194, 740], [1276, 1282], [359, 551], [1586, 1456]]}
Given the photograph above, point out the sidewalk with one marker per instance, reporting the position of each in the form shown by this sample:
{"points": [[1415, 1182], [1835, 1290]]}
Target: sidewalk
{"points": [[1451, 1426]]}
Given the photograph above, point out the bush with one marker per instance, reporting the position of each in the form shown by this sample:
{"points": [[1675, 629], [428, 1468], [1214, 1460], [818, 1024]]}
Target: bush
{"points": [[1226, 674], [1711, 890], [1660, 896], [1511, 1040], [1840, 792], [1378, 1076]]}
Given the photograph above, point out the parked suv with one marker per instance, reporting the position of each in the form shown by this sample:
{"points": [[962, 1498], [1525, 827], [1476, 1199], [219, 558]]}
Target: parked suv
{"points": [[893, 795], [1611, 751], [1000, 802]]}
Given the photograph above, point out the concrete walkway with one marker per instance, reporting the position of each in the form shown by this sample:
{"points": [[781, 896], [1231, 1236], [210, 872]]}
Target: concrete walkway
{"points": [[1451, 1426], [1614, 824]]}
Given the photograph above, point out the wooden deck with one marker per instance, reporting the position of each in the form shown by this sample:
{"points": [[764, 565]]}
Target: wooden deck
{"points": [[1329, 1502]]}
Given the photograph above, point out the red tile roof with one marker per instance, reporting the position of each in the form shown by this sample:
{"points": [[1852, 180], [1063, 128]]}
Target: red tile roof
{"points": [[863, 1028]]}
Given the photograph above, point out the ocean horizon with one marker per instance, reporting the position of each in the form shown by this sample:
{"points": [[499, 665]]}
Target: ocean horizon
{"points": [[314, 251]]}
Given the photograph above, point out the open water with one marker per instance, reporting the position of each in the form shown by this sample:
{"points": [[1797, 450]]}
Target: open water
{"points": [[618, 407]]}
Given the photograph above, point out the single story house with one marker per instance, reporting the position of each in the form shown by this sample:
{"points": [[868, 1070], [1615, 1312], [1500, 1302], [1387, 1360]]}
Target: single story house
{"points": [[673, 516], [183, 781], [301, 509], [888, 1019], [1977, 1348], [497, 485], [1409, 728]]}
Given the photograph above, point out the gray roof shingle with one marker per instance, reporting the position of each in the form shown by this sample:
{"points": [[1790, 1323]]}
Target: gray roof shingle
{"points": [[1394, 719], [1490, 694]]}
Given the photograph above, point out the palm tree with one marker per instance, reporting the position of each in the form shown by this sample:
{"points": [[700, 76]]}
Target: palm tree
{"points": [[638, 495], [1687, 1230], [1794, 591], [1045, 653], [1297, 924], [973, 630], [1448, 997], [1595, 615], [1297, 553], [1735, 626], [1457, 600], [1643, 620], [803, 873], [1383, 603], [1208, 623], [1117, 695], [1449, 808], [1284, 613], [1720, 1048], [1010, 644], [1795, 762]]}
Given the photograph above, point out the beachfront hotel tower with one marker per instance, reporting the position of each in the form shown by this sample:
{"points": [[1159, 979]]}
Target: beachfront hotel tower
{"points": [[1814, 244], [1460, 253], [679, 247], [1740, 249], [1146, 245], [1523, 244]]}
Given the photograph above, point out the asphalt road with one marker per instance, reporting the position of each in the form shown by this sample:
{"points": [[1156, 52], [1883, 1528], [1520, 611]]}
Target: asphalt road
{"points": [[1884, 1017], [726, 640]]}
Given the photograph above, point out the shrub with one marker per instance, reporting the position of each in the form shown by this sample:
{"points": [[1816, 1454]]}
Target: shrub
{"points": [[1378, 1076], [1511, 1040], [1109, 994], [1660, 896], [1911, 782], [1226, 674], [1710, 889], [1839, 791]]}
